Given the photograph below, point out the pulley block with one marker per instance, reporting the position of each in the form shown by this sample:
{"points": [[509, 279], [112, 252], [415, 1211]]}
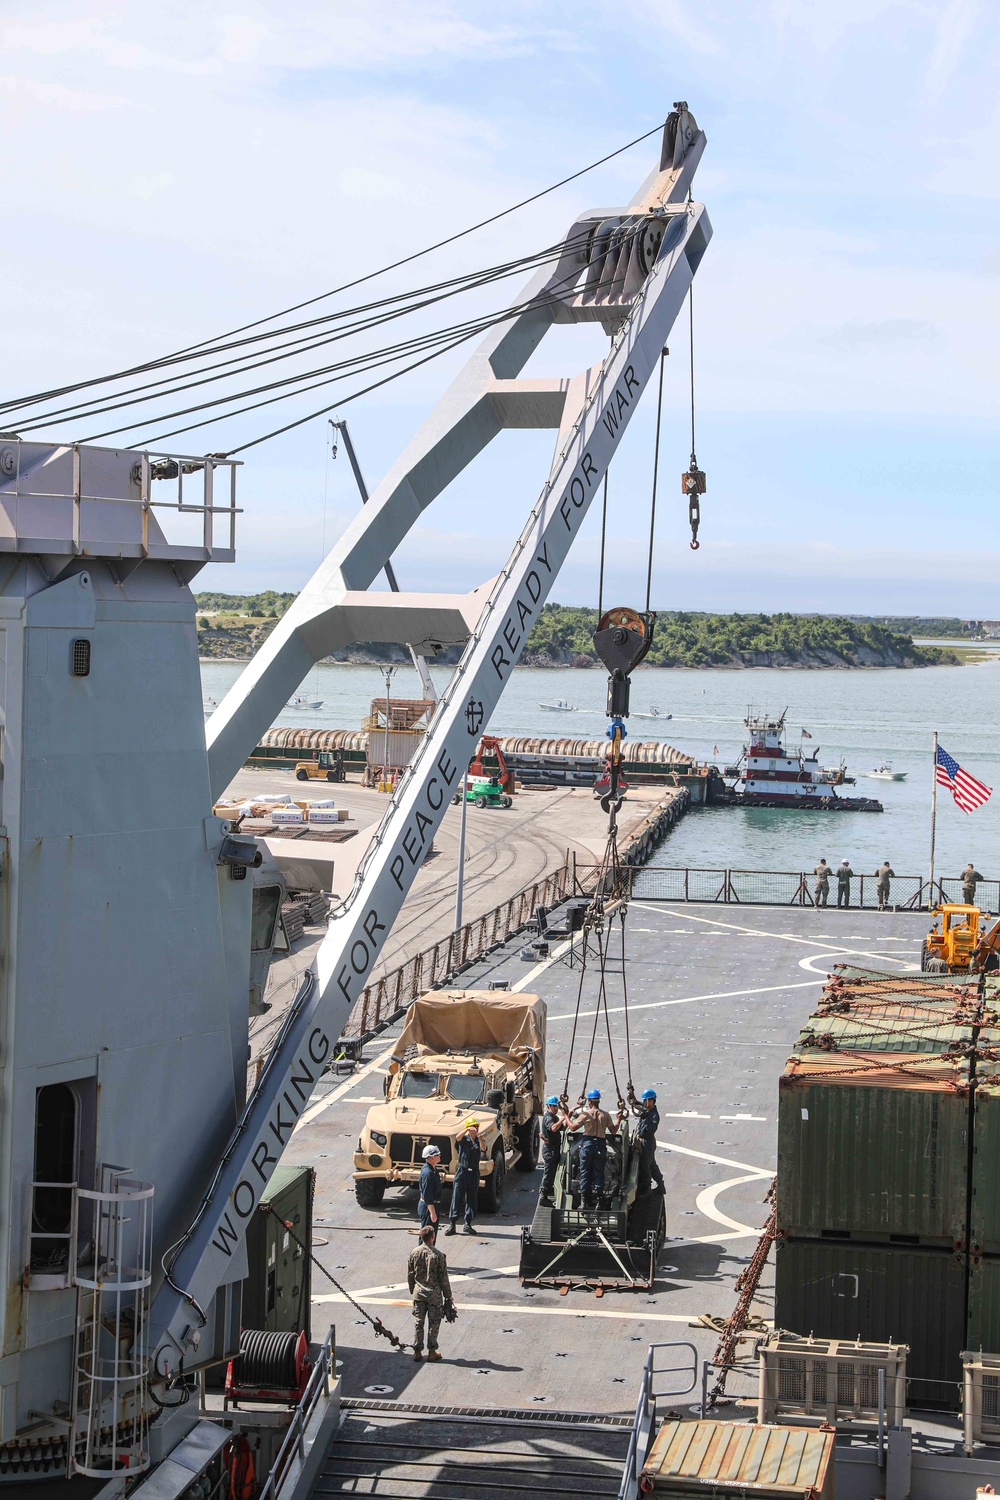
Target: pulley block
{"points": [[621, 640], [623, 637]]}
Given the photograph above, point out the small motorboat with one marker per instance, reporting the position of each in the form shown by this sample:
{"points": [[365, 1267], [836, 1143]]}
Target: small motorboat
{"points": [[299, 702], [654, 713], [560, 706], [884, 772]]}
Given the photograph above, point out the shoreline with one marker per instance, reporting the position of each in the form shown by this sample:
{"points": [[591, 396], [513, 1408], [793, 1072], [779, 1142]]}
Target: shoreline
{"points": [[717, 666]]}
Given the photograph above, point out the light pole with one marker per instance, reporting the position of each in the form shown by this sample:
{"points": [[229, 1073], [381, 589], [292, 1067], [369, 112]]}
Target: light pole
{"points": [[388, 673], [461, 855]]}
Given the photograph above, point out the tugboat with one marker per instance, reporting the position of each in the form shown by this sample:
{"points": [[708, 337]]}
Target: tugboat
{"points": [[769, 775]]}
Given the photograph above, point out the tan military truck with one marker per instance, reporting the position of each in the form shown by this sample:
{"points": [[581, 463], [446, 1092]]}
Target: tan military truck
{"points": [[461, 1053]]}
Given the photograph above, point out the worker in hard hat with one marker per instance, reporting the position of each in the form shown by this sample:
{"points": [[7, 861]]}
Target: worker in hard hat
{"points": [[596, 1125], [430, 1187], [553, 1121], [465, 1188], [649, 1124]]}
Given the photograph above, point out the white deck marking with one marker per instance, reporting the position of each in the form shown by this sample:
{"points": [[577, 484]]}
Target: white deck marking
{"points": [[765, 989], [705, 1203], [758, 1119], [817, 958], [523, 1310], [786, 937], [722, 1161], [539, 969], [310, 1114]]}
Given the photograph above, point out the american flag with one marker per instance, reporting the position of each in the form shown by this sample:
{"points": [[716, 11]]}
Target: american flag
{"points": [[966, 790]]}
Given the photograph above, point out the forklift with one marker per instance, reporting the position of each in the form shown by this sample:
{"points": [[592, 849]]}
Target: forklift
{"points": [[327, 766]]}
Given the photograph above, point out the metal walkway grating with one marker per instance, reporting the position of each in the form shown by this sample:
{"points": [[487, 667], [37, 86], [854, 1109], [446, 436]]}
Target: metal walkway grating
{"points": [[413, 1452]]}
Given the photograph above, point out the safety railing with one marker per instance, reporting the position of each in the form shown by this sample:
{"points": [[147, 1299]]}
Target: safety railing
{"points": [[798, 888], [317, 1389], [384, 1001], [644, 1426], [94, 480]]}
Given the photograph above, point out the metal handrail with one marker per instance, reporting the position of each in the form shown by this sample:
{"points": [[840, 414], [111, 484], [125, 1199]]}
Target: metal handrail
{"points": [[294, 1441], [645, 1411], [719, 886]]}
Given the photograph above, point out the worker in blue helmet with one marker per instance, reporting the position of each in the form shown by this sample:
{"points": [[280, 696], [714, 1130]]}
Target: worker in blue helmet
{"points": [[649, 1124], [595, 1124], [554, 1120]]}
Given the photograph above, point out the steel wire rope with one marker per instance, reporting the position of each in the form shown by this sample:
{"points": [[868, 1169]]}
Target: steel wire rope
{"points": [[242, 363], [440, 338], [507, 315], [604, 534], [191, 349], [656, 470], [576, 1019], [453, 286], [599, 935], [628, 1041]]}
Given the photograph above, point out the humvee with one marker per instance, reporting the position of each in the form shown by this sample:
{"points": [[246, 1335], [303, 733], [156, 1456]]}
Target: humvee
{"points": [[461, 1053]]}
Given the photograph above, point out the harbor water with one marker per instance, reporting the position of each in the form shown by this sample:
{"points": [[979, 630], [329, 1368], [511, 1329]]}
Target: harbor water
{"points": [[863, 716]]}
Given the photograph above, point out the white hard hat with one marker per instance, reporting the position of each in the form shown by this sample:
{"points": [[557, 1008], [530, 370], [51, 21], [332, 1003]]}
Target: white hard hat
{"points": [[429, 1151]]}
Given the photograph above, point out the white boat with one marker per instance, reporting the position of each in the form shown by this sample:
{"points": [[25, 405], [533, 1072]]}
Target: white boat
{"points": [[884, 772], [209, 703], [560, 706], [299, 702], [654, 713]]}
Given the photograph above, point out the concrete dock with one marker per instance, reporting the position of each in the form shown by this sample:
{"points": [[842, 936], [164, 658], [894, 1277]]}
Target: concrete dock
{"points": [[717, 997], [505, 851]]}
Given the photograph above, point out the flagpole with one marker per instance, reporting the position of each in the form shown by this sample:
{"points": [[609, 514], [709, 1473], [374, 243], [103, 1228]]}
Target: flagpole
{"points": [[933, 816]]}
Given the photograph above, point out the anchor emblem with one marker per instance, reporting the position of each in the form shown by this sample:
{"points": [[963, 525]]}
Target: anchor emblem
{"points": [[474, 715]]}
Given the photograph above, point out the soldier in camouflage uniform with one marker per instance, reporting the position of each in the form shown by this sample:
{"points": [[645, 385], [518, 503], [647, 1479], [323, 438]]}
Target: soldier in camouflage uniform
{"points": [[427, 1275]]}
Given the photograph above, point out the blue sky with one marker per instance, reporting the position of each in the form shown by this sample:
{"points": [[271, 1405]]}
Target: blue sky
{"points": [[175, 170]]}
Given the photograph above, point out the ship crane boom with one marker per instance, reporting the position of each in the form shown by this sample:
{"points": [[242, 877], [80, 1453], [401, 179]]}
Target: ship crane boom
{"points": [[636, 271]]}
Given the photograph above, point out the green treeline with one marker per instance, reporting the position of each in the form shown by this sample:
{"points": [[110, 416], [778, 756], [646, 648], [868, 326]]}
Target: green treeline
{"points": [[685, 638], [234, 625]]}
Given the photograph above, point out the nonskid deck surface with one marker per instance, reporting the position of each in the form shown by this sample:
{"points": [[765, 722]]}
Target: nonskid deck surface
{"points": [[717, 997], [460, 1452]]}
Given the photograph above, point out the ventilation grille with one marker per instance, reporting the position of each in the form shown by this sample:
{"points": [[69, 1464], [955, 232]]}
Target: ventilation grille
{"points": [[81, 657]]}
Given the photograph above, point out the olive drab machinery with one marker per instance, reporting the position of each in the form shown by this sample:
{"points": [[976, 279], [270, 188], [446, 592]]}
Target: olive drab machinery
{"points": [[110, 786]]}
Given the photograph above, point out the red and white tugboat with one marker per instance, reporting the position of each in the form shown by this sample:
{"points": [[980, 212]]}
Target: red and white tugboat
{"points": [[769, 775]]}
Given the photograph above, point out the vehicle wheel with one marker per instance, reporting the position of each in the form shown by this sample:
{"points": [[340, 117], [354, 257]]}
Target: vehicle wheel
{"points": [[491, 1188], [456, 799], [480, 801], [369, 1191], [331, 775], [506, 802], [923, 957], [302, 776], [529, 1139]]}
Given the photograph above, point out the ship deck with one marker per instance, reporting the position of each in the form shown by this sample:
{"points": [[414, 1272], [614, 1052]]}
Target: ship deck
{"points": [[716, 999]]}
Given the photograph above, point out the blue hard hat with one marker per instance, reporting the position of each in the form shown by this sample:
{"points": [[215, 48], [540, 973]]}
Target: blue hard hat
{"points": [[593, 1093], [552, 1099], [649, 1093]]}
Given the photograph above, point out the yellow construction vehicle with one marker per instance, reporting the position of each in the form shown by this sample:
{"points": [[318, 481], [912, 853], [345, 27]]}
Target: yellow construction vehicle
{"points": [[327, 766], [958, 943]]}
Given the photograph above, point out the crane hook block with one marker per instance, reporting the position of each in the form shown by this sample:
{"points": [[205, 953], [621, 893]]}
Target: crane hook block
{"points": [[621, 640], [693, 481]]}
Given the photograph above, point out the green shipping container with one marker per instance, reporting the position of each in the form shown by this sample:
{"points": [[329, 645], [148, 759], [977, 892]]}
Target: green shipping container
{"points": [[874, 1153], [984, 1213], [277, 1292], [881, 1294], [983, 1333]]}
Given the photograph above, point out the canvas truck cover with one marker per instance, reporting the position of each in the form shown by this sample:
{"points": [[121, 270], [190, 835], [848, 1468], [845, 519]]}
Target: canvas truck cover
{"points": [[487, 1021]]}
